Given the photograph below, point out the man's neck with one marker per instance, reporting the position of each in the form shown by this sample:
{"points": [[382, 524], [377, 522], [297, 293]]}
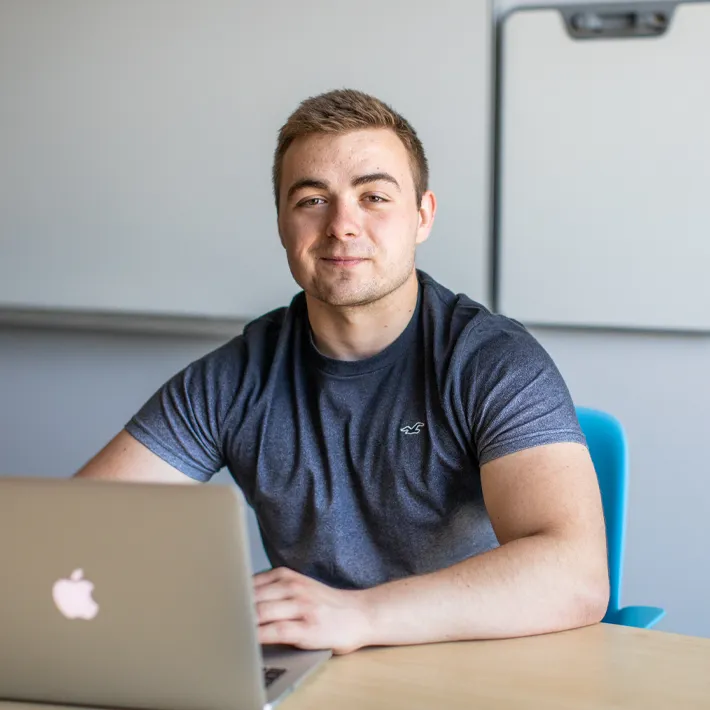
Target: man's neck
{"points": [[362, 331]]}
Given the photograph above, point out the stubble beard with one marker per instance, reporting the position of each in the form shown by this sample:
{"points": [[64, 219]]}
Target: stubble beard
{"points": [[347, 291]]}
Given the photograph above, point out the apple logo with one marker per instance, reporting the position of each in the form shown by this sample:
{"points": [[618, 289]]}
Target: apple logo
{"points": [[73, 597]]}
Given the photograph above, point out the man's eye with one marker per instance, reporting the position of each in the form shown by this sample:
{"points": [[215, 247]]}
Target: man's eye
{"points": [[311, 202], [376, 198]]}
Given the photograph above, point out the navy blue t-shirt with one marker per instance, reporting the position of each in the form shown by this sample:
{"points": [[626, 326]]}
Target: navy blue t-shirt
{"points": [[361, 472]]}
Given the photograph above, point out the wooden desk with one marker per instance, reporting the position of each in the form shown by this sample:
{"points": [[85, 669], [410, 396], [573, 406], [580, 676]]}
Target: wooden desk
{"points": [[597, 667]]}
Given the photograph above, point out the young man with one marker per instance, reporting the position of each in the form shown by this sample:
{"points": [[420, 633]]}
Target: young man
{"points": [[414, 461]]}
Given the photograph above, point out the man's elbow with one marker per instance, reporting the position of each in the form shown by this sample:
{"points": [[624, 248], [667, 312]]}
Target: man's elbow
{"points": [[591, 599]]}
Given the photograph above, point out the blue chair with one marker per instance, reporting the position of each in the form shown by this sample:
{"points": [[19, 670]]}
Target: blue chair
{"points": [[607, 445]]}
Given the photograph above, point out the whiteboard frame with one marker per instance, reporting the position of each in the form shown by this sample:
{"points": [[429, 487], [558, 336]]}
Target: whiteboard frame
{"points": [[566, 10]]}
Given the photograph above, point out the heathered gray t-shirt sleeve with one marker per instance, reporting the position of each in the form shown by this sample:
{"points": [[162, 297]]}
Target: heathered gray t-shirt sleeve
{"points": [[183, 421], [518, 397]]}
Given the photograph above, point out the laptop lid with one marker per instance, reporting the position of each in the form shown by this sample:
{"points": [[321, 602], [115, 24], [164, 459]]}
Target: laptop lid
{"points": [[126, 595]]}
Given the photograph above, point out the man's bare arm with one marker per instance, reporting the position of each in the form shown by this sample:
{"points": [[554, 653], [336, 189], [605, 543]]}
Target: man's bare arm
{"points": [[549, 574], [126, 459]]}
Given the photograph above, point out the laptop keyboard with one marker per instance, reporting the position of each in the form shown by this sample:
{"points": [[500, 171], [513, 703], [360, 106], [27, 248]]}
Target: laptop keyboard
{"points": [[271, 674]]}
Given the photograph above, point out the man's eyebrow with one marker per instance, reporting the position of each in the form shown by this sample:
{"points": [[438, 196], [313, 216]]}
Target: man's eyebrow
{"points": [[356, 182], [306, 182], [375, 177]]}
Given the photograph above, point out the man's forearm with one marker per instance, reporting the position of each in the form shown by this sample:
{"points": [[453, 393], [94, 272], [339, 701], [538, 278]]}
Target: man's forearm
{"points": [[536, 584]]}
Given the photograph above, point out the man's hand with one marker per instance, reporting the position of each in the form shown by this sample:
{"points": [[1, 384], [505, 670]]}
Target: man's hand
{"points": [[296, 610]]}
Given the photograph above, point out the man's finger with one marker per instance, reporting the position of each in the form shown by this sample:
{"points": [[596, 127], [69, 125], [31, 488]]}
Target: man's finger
{"points": [[270, 576], [292, 633], [276, 591], [270, 611]]}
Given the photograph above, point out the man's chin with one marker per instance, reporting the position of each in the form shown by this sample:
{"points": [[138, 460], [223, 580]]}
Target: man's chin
{"points": [[340, 297], [344, 300], [352, 292]]}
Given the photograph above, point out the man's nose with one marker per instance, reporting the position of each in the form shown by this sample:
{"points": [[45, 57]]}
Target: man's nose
{"points": [[344, 220]]}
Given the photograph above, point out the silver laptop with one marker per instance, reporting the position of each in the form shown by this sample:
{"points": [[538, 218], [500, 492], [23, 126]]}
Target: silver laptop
{"points": [[133, 595]]}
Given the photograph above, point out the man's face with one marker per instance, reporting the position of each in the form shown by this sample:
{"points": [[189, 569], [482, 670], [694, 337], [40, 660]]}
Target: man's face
{"points": [[349, 218]]}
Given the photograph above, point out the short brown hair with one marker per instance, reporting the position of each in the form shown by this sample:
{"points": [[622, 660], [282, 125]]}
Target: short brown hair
{"points": [[342, 111]]}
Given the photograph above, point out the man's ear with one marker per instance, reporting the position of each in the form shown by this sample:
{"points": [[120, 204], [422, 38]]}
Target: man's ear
{"points": [[427, 213]]}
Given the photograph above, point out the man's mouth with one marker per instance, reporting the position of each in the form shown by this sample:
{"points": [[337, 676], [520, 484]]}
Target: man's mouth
{"points": [[343, 260]]}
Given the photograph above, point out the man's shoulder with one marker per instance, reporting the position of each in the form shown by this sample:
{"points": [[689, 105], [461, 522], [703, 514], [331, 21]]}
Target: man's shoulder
{"points": [[467, 321], [254, 347]]}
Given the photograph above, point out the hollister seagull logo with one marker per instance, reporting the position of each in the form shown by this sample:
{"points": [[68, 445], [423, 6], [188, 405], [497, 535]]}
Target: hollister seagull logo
{"points": [[415, 429]]}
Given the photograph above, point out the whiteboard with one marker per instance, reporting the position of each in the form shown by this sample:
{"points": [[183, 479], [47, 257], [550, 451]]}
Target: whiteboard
{"points": [[604, 174], [137, 137]]}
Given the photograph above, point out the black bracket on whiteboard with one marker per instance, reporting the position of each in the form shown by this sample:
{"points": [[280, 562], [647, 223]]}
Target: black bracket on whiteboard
{"points": [[618, 21]]}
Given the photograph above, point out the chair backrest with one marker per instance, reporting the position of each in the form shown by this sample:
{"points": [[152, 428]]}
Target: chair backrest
{"points": [[607, 445]]}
